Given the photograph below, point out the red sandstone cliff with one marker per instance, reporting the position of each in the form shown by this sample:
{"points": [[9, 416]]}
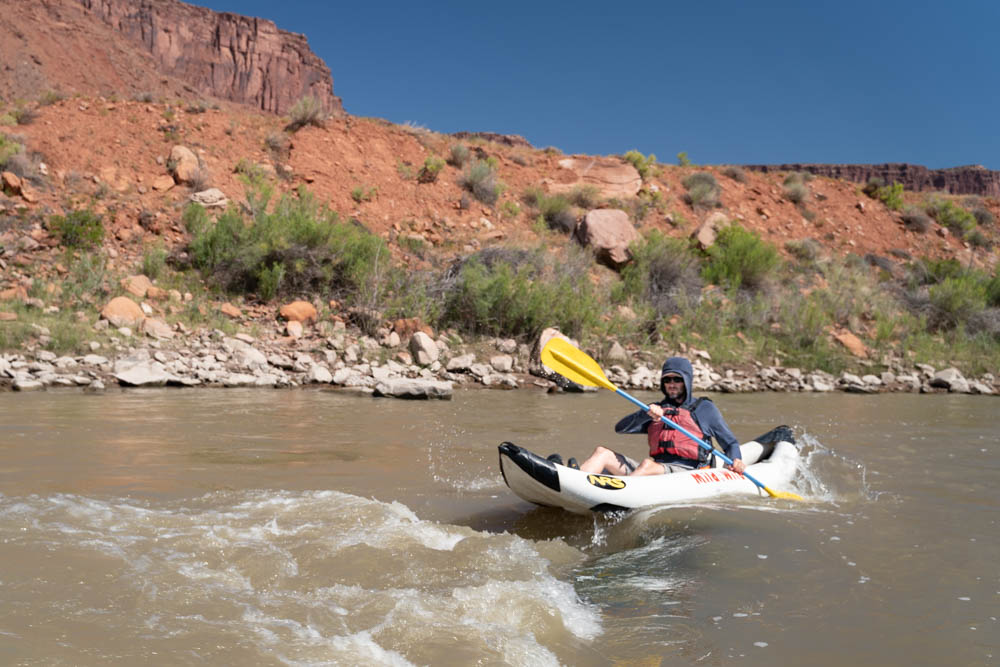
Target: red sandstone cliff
{"points": [[164, 47], [243, 59], [969, 180]]}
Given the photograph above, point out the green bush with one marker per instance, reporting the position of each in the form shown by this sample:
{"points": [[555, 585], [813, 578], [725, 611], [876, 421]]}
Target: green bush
{"points": [[664, 273], [154, 259], [993, 291], [87, 278], [948, 214], [78, 229], [481, 180], [930, 271], [956, 300], [555, 210], [891, 196], [806, 250], [983, 216], [978, 239], [510, 209], [307, 111], [646, 166], [432, 167], [8, 149], [740, 259], [504, 293], [298, 248], [683, 160]]}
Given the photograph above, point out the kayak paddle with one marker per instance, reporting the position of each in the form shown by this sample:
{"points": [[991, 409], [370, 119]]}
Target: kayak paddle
{"points": [[570, 362]]}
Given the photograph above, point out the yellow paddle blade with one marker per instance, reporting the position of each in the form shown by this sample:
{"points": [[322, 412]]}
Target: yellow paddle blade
{"points": [[571, 363], [787, 495]]}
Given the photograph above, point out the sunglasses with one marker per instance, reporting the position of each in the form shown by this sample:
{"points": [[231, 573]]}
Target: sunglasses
{"points": [[671, 379]]}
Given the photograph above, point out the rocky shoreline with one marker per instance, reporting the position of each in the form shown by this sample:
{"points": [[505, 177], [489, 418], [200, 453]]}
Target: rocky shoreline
{"points": [[422, 367]]}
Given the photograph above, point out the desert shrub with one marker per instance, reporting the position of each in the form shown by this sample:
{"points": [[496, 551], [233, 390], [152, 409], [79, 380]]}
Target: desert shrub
{"points": [[144, 97], [432, 167], [555, 210], [459, 155], [517, 294], [798, 177], [77, 229], [307, 111], [948, 214], [871, 187], [702, 190], [664, 273], [510, 209], [956, 299], [646, 166], [978, 239], [278, 145], [585, 196], [154, 259], [983, 216], [805, 250], [50, 97], [25, 116], [740, 259], [481, 180], [916, 220], [362, 193], [796, 192], [735, 173], [299, 247], [87, 277], [24, 166], [250, 170], [993, 290], [201, 179], [890, 195], [930, 271], [9, 147], [683, 160]]}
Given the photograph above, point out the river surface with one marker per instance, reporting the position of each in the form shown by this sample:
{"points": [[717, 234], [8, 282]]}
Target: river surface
{"points": [[306, 527]]}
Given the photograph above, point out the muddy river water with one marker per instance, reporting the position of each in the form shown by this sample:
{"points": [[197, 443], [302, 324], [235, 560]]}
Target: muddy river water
{"points": [[300, 527]]}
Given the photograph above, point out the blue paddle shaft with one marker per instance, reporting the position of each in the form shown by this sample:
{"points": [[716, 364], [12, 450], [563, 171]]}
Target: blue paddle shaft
{"points": [[701, 443]]}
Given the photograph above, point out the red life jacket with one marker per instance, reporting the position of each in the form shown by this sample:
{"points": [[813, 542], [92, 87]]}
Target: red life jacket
{"points": [[674, 442]]}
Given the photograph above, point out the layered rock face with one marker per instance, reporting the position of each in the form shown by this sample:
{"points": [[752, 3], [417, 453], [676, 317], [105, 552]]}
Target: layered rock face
{"points": [[968, 180], [243, 59]]}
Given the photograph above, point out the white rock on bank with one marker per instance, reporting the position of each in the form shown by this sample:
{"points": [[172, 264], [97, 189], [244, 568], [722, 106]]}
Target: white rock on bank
{"points": [[414, 388]]}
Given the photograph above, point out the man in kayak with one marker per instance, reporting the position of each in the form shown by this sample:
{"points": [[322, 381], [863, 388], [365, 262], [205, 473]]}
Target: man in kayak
{"points": [[669, 449]]}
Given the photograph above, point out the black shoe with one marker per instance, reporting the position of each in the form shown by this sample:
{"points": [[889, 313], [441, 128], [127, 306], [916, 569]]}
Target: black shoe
{"points": [[573, 464], [555, 458]]}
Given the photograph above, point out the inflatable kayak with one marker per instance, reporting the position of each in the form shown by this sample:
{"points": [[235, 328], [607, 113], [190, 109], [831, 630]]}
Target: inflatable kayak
{"points": [[772, 459]]}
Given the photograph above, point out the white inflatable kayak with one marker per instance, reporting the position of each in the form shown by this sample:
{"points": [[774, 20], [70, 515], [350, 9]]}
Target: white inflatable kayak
{"points": [[772, 459]]}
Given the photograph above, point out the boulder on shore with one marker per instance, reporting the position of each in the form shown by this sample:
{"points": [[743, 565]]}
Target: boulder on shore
{"points": [[414, 388]]}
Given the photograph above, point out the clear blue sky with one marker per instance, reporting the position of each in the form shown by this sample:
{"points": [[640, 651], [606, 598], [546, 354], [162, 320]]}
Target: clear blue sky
{"points": [[726, 82]]}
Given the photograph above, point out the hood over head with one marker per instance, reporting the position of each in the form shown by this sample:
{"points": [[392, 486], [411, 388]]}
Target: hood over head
{"points": [[678, 366]]}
